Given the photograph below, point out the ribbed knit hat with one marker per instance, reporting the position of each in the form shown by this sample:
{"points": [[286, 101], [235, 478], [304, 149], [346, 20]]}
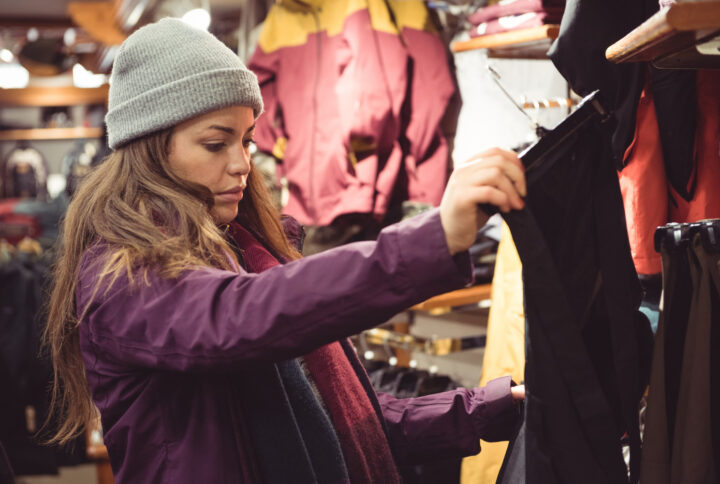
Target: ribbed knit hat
{"points": [[169, 72]]}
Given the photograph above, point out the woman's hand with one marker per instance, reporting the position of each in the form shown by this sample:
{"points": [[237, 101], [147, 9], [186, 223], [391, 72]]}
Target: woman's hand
{"points": [[495, 177], [518, 392]]}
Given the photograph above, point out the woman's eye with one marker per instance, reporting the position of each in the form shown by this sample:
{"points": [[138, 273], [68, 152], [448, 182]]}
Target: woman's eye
{"points": [[248, 142], [214, 147]]}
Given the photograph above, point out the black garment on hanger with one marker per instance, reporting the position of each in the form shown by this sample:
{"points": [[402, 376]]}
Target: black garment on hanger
{"points": [[26, 372], [588, 27], [584, 333], [6, 472], [674, 94]]}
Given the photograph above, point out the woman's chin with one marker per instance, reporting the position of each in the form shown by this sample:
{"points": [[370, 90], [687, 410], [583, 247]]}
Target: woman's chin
{"points": [[224, 215]]}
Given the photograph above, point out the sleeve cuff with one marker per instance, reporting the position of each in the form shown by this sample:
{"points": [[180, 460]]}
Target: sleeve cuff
{"points": [[500, 412]]}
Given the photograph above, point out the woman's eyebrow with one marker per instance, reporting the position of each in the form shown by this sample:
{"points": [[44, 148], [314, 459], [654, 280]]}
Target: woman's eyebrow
{"points": [[250, 129], [222, 128]]}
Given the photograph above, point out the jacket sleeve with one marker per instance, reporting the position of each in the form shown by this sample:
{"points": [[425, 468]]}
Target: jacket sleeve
{"points": [[449, 424], [209, 319]]}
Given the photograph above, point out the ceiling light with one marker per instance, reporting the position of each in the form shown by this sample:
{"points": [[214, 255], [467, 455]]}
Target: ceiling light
{"points": [[32, 34], [84, 78], [6, 55], [13, 76], [69, 37], [198, 18]]}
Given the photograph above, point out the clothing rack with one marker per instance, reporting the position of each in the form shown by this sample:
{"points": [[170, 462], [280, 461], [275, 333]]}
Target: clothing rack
{"points": [[560, 102], [433, 346], [676, 235], [685, 360]]}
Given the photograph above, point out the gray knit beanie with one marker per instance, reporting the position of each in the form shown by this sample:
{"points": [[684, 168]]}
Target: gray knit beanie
{"points": [[169, 72]]}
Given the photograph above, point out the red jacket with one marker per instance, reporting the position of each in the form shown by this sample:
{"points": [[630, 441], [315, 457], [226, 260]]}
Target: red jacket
{"points": [[334, 78]]}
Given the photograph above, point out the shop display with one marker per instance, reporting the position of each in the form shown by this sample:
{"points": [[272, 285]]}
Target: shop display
{"points": [[601, 296]]}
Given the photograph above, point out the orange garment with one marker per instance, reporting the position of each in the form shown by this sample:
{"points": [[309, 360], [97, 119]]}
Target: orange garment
{"points": [[706, 202], [643, 185]]}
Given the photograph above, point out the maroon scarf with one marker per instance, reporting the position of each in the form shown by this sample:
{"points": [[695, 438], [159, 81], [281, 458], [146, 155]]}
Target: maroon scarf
{"points": [[365, 448]]}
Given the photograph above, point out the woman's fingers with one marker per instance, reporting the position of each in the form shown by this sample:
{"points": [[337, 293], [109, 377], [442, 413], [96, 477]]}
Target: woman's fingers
{"points": [[496, 177], [488, 194], [498, 152], [510, 166]]}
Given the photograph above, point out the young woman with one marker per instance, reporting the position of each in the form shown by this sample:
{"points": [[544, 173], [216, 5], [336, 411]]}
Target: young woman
{"points": [[183, 312]]}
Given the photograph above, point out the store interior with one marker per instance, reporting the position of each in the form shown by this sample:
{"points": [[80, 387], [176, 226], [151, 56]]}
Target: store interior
{"points": [[369, 106]]}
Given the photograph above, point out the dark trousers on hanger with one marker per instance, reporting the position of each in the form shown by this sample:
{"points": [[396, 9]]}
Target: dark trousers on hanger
{"points": [[681, 440], [678, 284], [584, 372]]}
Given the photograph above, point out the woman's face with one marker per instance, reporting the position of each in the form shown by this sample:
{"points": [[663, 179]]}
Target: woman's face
{"points": [[213, 150]]}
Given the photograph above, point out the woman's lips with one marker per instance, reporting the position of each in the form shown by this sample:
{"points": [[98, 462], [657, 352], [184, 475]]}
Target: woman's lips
{"points": [[231, 196]]}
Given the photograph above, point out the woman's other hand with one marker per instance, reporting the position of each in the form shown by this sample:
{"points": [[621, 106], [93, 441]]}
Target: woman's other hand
{"points": [[495, 177], [518, 392]]}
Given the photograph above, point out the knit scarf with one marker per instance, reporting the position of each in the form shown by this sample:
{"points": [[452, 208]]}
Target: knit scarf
{"points": [[364, 445]]}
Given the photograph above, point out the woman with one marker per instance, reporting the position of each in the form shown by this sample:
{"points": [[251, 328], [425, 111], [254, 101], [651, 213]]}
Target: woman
{"points": [[183, 312]]}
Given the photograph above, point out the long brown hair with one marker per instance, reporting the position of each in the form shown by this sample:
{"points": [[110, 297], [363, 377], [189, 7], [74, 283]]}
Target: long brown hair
{"points": [[147, 217]]}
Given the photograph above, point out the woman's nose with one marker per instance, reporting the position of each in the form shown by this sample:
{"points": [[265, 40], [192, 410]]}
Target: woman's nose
{"points": [[239, 162]]}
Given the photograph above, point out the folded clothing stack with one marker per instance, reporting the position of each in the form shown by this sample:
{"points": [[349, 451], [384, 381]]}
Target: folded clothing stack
{"points": [[514, 15]]}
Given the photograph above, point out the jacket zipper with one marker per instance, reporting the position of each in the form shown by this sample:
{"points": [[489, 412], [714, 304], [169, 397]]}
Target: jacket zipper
{"points": [[313, 142]]}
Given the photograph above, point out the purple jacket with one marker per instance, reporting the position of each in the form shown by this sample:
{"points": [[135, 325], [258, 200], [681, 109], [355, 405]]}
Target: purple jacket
{"points": [[160, 359]]}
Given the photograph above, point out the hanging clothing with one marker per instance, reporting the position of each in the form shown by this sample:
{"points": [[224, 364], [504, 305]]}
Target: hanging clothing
{"points": [[588, 27], [680, 446], [346, 86], [308, 62], [585, 338], [676, 104], [705, 202], [25, 171], [644, 188], [504, 351], [430, 88], [36, 219], [678, 287], [516, 7], [201, 341], [516, 22], [657, 191], [26, 372]]}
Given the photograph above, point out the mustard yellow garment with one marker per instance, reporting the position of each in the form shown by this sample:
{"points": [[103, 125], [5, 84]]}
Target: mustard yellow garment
{"points": [[504, 353]]}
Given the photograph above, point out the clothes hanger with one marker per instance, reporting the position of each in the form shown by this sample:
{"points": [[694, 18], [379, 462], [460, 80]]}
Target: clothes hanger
{"points": [[560, 102], [540, 131], [536, 156], [710, 235], [673, 236]]}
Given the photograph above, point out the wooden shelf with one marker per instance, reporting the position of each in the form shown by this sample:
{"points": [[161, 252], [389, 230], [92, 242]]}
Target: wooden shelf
{"points": [[530, 43], [50, 133], [53, 96], [670, 37], [97, 19], [461, 297]]}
